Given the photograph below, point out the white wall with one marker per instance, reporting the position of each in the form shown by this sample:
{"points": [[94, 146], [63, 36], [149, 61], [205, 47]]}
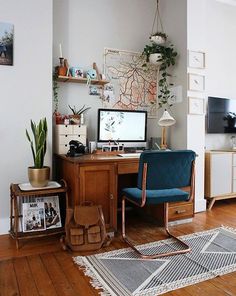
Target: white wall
{"points": [[25, 91], [221, 63], [196, 123], [174, 18], [183, 22], [84, 28]]}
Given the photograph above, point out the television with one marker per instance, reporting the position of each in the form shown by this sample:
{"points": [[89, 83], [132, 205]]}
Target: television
{"points": [[126, 127], [216, 111]]}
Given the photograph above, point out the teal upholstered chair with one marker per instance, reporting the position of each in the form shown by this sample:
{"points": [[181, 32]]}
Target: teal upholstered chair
{"points": [[163, 177]]}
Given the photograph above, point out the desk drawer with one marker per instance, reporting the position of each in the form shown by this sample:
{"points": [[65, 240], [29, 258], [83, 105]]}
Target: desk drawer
{"points": [[128, 168], [181, 211]]}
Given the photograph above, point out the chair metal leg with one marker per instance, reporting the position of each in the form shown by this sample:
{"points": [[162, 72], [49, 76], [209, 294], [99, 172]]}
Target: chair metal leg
{"points": [[186, 247]]}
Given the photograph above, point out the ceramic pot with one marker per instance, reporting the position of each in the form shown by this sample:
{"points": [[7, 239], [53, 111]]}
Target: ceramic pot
{"points": [[155, 58], [158, 39], [39, 177], [75, 118]]}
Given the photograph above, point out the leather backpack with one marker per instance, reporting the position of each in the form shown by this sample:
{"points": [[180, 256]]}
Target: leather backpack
{"points": [[85, 228]]}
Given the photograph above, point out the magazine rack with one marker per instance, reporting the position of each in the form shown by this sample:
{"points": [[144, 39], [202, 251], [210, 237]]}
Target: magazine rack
{"points": [[16, 214]]}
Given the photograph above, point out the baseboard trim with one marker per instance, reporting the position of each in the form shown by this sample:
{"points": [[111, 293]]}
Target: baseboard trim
{"points": [[4, 225], [200, 205]]}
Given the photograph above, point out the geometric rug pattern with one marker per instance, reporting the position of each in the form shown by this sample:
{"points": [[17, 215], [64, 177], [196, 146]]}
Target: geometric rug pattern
{"points": [[123, 273]]}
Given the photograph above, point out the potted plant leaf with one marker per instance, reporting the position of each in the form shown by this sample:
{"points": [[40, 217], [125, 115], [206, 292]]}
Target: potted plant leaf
{"points": [[167, 58], [75, 118], [230, 117], [38, 174]]}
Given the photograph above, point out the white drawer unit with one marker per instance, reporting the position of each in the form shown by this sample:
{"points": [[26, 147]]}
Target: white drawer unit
{"points": [[220, 176], [63, 134]]}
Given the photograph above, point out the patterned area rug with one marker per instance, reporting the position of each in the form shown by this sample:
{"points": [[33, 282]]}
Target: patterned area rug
{"points": [[122, 273]]}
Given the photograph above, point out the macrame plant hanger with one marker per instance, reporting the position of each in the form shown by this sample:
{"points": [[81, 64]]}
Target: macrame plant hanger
{"points": [[156, 19]]}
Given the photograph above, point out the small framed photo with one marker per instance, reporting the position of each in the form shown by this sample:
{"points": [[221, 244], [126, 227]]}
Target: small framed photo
{"points": [[195, 106], [196, 82], [196, 59]]}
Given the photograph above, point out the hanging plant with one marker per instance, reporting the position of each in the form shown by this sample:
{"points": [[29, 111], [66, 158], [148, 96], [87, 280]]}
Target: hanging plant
{"points": [[166, 60], [161, 53]]}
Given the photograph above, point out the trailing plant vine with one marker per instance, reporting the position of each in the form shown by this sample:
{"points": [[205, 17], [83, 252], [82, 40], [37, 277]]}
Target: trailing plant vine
{"points": [[168, 59], [55, 91]]}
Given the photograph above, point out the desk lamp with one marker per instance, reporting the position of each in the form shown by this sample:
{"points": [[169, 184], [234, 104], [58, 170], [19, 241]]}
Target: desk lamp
{"points": [[165, 120]]}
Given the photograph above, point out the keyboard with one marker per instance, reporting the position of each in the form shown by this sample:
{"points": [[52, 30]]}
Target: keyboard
{"points": [[130, 155]]}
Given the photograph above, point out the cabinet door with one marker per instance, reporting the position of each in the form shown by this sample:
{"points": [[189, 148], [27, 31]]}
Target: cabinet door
{"points": [[221, 174], [98, 184]]}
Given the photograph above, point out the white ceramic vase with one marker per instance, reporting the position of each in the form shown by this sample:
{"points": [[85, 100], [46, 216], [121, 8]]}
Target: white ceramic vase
{"points": [[155, 58], [158, 39]]}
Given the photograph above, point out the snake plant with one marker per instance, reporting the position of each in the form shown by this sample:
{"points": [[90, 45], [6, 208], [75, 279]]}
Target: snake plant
{"points": [[38, 144]]}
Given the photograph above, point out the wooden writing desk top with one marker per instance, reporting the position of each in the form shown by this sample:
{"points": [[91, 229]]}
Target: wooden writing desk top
{"points": [[124, 165], [98, 158]]}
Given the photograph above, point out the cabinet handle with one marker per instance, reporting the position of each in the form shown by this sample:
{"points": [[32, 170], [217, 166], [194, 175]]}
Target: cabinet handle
{"points": [[180, 211], [111, 196]]}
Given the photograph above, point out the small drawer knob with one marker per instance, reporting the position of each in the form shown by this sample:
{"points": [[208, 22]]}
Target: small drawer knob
{"points": [[180, 211]]}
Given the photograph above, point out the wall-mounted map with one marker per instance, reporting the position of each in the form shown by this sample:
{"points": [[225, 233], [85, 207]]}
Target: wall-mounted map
{"points": [[131, 86]]}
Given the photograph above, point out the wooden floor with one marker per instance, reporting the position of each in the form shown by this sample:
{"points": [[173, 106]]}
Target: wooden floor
{"points": [[40, 267]]}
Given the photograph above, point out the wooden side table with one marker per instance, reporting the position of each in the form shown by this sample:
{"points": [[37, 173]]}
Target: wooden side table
{"points": [[16, 197]]}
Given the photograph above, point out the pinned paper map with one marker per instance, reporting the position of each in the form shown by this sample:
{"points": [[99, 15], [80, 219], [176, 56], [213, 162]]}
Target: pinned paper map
{"points": [[131, 86]]}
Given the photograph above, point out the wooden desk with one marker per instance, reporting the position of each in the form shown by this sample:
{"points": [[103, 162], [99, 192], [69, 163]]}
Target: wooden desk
{"points": [[99, 178]]}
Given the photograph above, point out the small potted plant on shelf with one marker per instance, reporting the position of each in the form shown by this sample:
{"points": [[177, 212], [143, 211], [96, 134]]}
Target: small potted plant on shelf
{"points": [[38, 174], [230, 117], [75, 118], [165, 57]]}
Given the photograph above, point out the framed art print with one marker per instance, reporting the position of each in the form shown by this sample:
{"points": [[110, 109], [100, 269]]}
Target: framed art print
{"points": [[196, 82], [6, 44], [195, 106], [196, 59]]}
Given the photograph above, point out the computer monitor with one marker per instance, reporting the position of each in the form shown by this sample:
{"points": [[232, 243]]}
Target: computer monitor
{"points": [[128, 127]]}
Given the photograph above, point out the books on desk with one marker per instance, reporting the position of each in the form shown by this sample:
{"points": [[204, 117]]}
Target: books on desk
{"points": [[130, 155]]}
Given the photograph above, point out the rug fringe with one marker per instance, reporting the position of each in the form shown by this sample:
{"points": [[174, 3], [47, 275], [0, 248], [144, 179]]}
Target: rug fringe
{"points": [[95, 283], [231, 229]]}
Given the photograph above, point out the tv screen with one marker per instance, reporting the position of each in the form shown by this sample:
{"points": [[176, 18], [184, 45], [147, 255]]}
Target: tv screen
{"points": [[122, 125], [217, 109]]}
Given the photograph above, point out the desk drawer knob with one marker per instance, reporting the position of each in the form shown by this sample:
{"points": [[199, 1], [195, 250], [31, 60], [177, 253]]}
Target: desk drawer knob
{"points": [[180, 211]]}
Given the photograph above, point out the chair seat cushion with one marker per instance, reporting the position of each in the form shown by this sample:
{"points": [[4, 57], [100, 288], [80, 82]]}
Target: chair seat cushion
{"points": [[156, 196]]}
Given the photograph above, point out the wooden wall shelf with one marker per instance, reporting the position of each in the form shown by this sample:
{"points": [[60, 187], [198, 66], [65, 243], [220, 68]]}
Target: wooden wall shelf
{"points": [[80, 80]]}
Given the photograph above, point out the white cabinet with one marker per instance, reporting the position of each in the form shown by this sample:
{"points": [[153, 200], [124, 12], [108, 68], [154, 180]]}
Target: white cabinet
{"points": [[63, 134], [221, 173], [220, 176]]}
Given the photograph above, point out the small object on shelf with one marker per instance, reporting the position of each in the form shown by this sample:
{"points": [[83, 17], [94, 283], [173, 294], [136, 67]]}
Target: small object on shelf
{"points": [[62, 69], [76, 72], [97, 71]]}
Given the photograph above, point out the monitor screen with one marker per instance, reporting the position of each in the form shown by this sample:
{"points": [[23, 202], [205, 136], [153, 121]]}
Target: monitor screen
{"points": [[122, 125], [217, 109]]}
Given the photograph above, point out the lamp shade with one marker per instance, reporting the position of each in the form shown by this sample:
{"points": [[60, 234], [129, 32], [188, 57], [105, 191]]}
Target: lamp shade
{"points": [[166, 119]]}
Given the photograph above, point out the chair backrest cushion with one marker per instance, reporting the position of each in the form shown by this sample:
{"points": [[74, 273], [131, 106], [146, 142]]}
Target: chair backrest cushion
{"points": [[166, 169]]}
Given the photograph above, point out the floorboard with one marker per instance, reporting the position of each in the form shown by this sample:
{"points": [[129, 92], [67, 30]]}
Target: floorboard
{"points": [[40, 267]]}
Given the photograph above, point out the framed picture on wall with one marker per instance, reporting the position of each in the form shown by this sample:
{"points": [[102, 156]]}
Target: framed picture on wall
{"points": [[196, 59], [195, 106], [6, 44], [196, 82]]}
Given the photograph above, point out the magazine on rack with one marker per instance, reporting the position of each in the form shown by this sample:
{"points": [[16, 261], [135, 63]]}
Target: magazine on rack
{"points": [[51, 210], [33, 217], [43, 209]]}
